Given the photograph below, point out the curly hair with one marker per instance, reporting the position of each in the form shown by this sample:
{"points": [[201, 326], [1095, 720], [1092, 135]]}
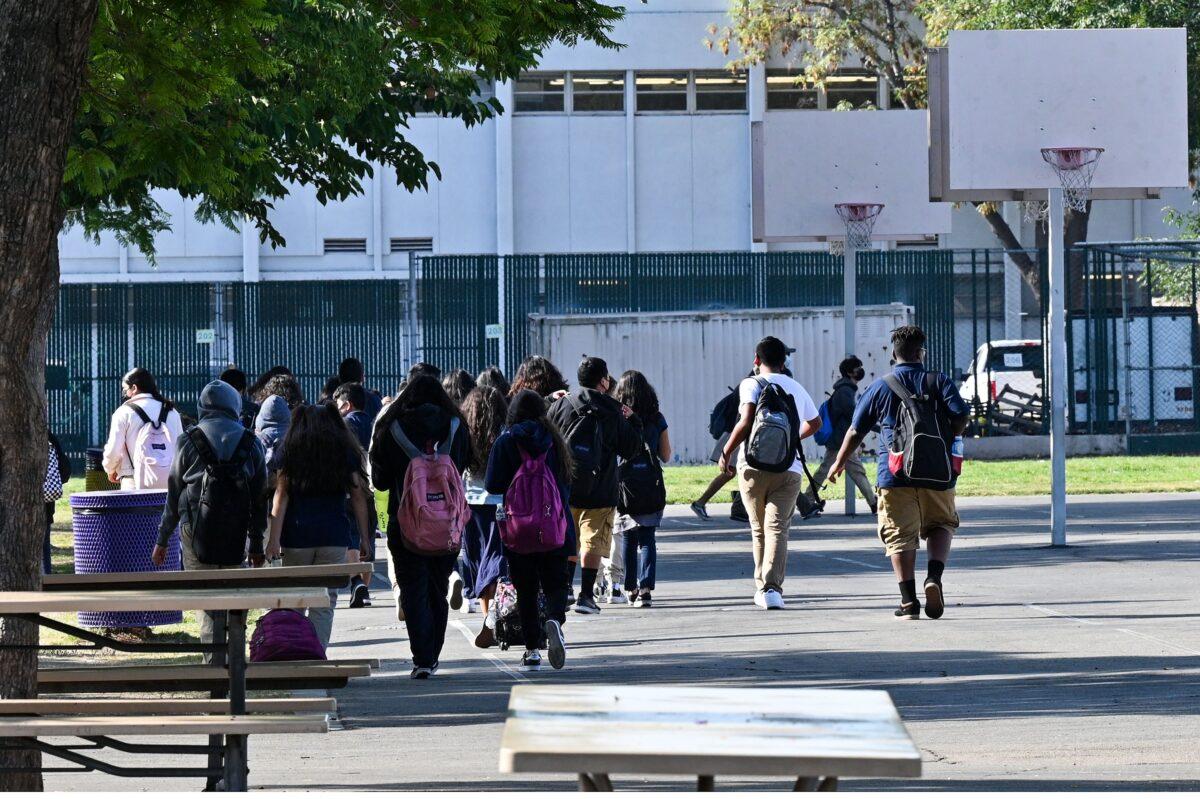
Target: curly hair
{"points": [[484, 409], [284, 386], [536, 373], [321, 457]]}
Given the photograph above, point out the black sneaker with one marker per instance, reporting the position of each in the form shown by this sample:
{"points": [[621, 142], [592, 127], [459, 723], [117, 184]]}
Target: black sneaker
{"points": [[422, 672], [359, 596], [556, 646], [909, 612], [531, 661], [585, 604], [935, 602], [700, 511], [643, 600]]}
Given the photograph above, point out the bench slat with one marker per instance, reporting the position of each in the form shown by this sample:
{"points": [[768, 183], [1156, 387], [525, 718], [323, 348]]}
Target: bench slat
{"points": [[332, 575], [145, 707], [197, 677], [43, 727]]}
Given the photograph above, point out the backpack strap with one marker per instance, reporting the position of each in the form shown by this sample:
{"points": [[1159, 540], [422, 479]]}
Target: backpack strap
{"points": [[903, 393], [444, 447], [398, 434], [141, 413], [203, 447], [244, 448], [930, 384], [163, 411]]}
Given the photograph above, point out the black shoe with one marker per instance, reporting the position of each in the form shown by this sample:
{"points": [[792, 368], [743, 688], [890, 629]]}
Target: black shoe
{"points": [[909, 612], [643, 600], [359, 596], [587, 605], [700, 511], [531, 661], [935, 602], [422, 672], [556, 646]]}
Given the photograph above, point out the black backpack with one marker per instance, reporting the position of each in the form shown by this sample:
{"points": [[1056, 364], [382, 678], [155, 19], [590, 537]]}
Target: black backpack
{"points": [[643, 489], [223, 513], [724, 415], [774, 440], [585, 438], [919, 452]]}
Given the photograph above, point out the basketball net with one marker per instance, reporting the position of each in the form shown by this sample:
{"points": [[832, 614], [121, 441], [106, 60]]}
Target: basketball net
{"points": [[1074, 167], [860, 221]]}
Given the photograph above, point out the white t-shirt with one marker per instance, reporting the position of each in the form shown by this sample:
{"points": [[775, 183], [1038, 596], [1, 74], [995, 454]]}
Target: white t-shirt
{"points": [[748, 392]]}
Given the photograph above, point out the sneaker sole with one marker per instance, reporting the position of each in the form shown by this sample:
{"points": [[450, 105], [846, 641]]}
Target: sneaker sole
{"points": [[455, 597], [556, 650], [935, 602], [527, 669], [586, 611]]}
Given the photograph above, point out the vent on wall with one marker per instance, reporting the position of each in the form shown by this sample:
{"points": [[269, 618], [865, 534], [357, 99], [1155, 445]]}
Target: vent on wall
{"points": [[345, 245], [411, 245]]}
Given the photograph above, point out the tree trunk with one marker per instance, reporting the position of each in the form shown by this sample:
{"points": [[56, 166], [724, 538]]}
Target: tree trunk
{"points": [[1028, 266], [43, 48], [1076, 231]]}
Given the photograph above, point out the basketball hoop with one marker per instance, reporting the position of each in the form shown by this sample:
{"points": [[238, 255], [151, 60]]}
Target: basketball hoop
{"points": [[860, 221], [1034, 210], [1074, 167]]}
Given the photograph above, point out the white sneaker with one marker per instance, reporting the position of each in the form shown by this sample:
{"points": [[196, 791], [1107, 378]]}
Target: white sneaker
{"points": [[760, 599], [472, 606], [454, 593], [773, 600], [615, 597], [399, 607]]}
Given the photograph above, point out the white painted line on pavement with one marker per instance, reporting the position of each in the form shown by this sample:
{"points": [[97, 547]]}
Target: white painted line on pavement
{"points": [[497, 662], [1125, 630], [849, 560]]}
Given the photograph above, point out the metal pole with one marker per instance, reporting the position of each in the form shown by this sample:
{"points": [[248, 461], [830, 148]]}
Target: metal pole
{"points": [[849, 310], [502, 312], [1058, 373]]}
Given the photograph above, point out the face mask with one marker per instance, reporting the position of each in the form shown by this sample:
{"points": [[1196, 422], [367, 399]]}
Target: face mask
{"points": [[858, 375]]}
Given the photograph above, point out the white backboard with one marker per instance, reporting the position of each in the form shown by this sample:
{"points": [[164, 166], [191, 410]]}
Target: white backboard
{"points": [[998, 97], [806, 161]]}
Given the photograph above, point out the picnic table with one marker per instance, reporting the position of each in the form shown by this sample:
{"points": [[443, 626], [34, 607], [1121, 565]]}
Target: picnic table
{"points": [[812, 735], [333, 575], [228, 649]]}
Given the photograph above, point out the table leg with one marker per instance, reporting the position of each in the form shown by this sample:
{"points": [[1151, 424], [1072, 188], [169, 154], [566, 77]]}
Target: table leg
{"points": [[706, 783], [816, 784], [236, 765], [595, 782], [216, 743]]}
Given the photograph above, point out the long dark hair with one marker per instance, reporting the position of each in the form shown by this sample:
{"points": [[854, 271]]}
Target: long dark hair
{"points": [[144, 382], [492, 377], [634, 390], [527, 405], [484, 409], [320, 454], [419, 390], [458, 385], [539, 375]]}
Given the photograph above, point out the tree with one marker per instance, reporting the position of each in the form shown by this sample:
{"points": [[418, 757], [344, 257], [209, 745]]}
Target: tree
{"points": [[229, 102], [890, 36]]}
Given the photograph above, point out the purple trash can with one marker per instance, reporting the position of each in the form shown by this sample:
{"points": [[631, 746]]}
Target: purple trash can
{"points": [[115, 531]]}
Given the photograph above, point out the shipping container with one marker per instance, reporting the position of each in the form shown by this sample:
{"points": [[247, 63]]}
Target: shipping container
{"points": [[692, 358]]}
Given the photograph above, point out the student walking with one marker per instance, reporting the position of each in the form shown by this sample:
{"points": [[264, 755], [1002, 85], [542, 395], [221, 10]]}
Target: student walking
{"points": [[321, 478], [643, 493], [599, 430], [481, 562], [423, 419], [237, 379], [841, 411], [492, 377], [720, 425], [351, 370], [143, 435], [776, 415], [458, 385], [528, 452], [223, 516], [270, 427], [350, 399], [917, 476]]}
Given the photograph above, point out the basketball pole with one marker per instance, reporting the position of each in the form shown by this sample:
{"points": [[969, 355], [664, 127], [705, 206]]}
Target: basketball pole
{"points": [[849, 311], [1058, 370]]}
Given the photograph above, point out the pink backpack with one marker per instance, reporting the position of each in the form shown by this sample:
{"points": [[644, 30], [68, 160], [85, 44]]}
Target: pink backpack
{"points": [[285, 634], [534, 517], [433, 511]]}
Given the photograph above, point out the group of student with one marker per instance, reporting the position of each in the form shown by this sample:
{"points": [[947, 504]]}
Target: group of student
{"points": [[487, 483]]}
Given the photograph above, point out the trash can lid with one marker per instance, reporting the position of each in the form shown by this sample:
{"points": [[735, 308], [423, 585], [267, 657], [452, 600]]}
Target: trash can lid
{"points": [[119, 499]]}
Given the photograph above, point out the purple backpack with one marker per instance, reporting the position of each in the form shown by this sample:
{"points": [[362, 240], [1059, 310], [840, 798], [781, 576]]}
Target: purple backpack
{"points": [[534, 517], [285, 634]]}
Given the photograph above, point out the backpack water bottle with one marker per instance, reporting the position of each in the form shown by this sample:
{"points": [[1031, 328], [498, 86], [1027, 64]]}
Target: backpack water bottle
{"points": [[153, 450], [774, 438], [534, 518], [919, 451], [433, 511]]}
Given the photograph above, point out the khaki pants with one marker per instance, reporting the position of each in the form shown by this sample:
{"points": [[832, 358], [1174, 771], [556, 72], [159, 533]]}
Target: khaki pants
{"points": [[854, 471], [191, 563], [321, 618], [770, 500]]}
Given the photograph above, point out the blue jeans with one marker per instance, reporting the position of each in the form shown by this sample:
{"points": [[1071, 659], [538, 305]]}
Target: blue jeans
{"points": [[640, 549]]}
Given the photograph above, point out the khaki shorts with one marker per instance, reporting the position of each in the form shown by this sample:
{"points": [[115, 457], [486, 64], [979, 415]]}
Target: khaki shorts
{"points": [[907, 514], [595, 528]]}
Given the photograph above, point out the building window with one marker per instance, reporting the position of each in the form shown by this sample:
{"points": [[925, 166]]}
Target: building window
{"points": [[852, 88], [785, 94], [720, 91], [540, 92], [662, 91], [597, 91]]}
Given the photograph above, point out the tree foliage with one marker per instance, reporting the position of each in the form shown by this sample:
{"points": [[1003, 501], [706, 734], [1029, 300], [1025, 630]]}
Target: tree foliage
{"points": [[228, 102]]}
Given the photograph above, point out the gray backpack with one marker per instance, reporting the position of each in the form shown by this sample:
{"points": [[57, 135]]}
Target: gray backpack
{"points": [[774, 438]]}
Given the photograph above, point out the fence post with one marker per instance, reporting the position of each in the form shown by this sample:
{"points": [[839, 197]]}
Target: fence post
{"points": [[411, 350], [502, 309]]}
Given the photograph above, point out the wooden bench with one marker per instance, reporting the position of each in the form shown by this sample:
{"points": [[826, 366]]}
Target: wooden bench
{"points": [[333, 575], [197, 677], [149, 707]]}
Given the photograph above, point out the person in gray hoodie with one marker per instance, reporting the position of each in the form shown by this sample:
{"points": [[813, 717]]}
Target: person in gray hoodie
{"points": [[270, 426], [220, 425]]}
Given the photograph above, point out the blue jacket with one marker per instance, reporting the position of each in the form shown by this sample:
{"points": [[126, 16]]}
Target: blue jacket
{"points": [[505, 460]]}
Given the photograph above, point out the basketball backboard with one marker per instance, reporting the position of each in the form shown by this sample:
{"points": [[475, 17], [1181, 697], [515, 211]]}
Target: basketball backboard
{"points": [[997, 97], [805, 162]]}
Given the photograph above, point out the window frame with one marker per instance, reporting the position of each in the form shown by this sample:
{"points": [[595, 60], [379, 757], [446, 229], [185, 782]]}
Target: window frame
{"points": [[696, 92], [566, 94], [584, 73], [687, 92]]}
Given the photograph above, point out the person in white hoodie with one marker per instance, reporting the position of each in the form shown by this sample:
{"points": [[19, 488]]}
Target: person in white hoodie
{"points": [[141, 393]]}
